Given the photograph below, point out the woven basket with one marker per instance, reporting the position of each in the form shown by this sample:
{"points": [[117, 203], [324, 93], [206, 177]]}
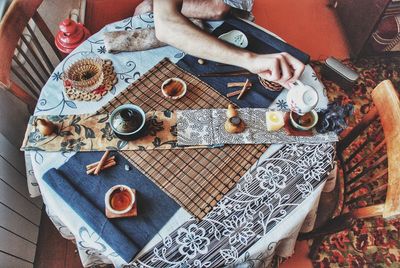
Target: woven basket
{"points": [[271, 86], [86, 74]]}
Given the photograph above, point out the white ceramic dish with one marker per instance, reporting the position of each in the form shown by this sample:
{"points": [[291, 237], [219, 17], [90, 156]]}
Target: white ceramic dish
{"points": [[236, 38], [302, 98], [175, 97], [107, 198]]}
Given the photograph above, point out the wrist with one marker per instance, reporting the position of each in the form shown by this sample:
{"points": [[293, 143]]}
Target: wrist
{"points": [[247, 58]]}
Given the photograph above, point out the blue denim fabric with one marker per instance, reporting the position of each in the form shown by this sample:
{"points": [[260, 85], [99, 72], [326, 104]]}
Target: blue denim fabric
{"points": [[259, 42], [85, 194]]}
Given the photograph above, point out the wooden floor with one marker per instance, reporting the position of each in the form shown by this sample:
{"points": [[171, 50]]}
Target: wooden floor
{"points": [[53, 251]]}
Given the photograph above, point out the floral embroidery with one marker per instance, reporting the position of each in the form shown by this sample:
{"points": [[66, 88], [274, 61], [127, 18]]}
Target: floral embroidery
{"points": [[238, 229], [295, 150], [192, 241], [271, 177], [311, 169], [223, 207]]}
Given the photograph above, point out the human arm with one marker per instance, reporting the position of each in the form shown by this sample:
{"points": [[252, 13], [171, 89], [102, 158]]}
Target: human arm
{"points": [[174, 28], [198, 9]]}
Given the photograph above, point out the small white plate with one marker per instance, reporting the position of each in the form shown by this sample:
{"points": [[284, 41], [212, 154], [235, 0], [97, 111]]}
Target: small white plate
{"points": [[236, 38]]}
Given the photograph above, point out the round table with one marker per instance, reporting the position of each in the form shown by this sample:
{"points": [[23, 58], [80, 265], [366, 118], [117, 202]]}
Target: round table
{"points": [[232, 233]]}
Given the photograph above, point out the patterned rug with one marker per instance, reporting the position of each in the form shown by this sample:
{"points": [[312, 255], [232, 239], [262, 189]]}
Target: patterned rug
{"points": [[371, 242]]}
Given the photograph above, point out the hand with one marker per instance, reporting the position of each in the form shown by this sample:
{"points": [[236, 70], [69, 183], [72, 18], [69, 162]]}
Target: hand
{"points": [[144, 7], [281, 68]]}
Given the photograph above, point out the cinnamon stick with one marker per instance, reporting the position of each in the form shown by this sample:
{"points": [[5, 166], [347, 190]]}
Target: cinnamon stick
{"points": [[234, 93], [101, 162], [243, 89], [108, 165], [90, 166], [237, 84]]}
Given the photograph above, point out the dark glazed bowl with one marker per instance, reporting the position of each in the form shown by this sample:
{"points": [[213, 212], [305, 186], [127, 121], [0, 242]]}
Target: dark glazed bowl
{"points": [[128, 122]]}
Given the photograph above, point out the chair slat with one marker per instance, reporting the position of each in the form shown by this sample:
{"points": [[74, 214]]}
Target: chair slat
{"points": [[26, 83], [46, 34], [27, 74], [40, 49], [350, 136], [379, 190], [371, 195], [378, 176], [38, 60], [367, 141], [33, 67], [370, 211], [11, 28], [367, 170], [368, 156]]}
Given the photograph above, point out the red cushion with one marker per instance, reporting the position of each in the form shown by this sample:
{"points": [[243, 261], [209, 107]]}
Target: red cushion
{"points": [[102, 12]]}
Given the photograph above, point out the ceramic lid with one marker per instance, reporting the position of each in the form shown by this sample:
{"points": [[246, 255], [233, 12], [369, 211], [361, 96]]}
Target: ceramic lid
{"points": [[127, 119]]}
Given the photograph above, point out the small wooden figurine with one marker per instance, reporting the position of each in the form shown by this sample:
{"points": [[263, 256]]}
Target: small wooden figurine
{"points": [[46, 128], [233, 124]]}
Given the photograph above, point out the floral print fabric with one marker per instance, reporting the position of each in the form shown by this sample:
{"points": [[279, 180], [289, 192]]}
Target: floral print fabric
{"points": [[93, 133]]}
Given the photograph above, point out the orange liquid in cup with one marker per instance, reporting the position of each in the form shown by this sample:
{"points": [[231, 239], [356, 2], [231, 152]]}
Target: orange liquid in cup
{"points": [[120, 199]]}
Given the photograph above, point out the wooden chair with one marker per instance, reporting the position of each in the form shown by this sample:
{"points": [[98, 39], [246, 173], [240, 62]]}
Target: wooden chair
{"points": [[31, 65], [375, 159]]}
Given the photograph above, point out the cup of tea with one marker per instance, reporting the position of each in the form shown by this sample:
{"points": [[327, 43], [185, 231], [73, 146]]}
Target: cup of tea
{"points": [[302, 98], [119, 199], [128, 122], [174, 88]]}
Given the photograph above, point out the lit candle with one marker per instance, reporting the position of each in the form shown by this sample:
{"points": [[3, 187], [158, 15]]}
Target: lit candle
{"points": [[275, 120]]}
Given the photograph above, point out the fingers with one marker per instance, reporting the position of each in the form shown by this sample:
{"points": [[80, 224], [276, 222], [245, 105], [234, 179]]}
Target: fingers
{"points": [[284, 69], [274, 72], [296, 65]]}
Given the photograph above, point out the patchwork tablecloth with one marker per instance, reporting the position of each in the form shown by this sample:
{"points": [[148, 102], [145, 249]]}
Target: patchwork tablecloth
{"points": [[257, 219]]}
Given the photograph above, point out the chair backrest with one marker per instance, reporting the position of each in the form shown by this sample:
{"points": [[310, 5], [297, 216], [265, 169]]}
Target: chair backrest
{"points": [[374, 156], [22, 52]]}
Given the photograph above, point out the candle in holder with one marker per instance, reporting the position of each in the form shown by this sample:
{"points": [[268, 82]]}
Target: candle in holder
{"points": [[275, 120]]}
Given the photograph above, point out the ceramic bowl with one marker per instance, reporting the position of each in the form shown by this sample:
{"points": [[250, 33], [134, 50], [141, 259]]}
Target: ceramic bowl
{"points": [[236, 38], [119, 187], [314, 115], [170, 94], [128, 122]]}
